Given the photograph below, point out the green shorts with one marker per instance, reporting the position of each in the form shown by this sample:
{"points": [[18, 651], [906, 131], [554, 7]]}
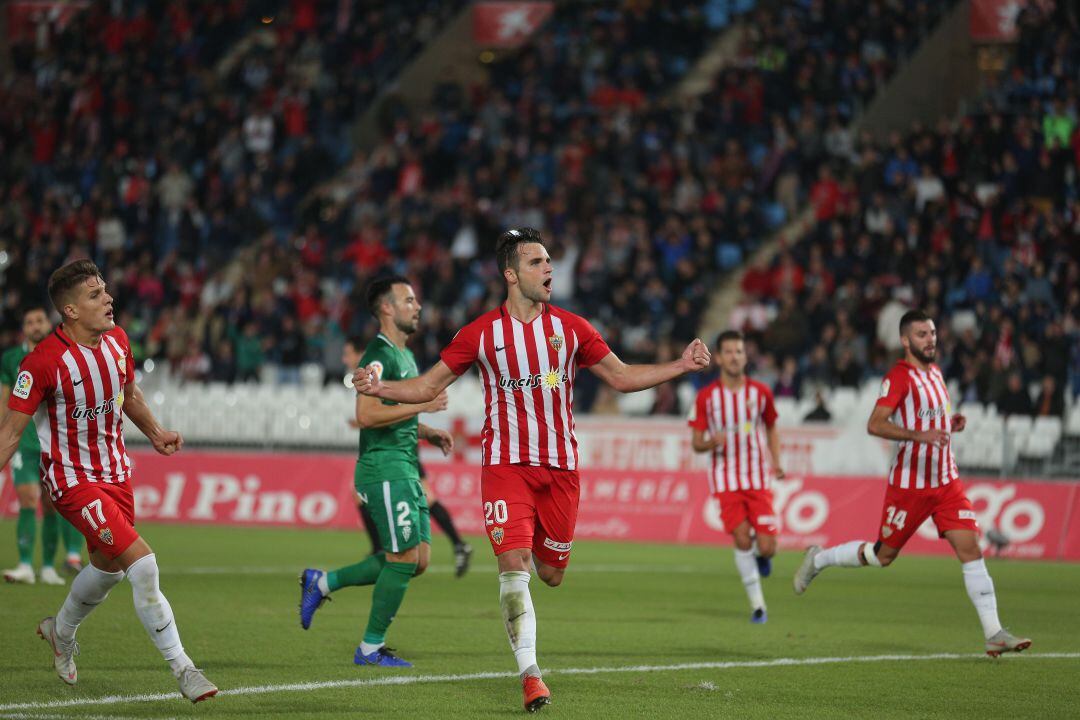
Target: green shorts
{"points": [[400, 512], [26, 467]]}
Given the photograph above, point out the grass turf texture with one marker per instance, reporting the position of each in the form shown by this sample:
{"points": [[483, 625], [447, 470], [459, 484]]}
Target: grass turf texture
{"points": [[622, 605]]}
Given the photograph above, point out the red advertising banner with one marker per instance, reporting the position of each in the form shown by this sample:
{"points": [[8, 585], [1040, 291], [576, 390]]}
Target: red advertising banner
{"points": [[508, 24], [994, 20], [1041, 519]]}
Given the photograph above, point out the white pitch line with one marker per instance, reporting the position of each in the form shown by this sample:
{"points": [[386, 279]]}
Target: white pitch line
{"points": [[424, 679], [35, 716], [438, 569]]}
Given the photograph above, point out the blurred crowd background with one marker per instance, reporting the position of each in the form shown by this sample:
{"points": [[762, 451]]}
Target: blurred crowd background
{"points": [[203, 154]]}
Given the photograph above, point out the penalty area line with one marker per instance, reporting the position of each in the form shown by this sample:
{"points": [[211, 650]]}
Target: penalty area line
{"points": [[425, 679]]}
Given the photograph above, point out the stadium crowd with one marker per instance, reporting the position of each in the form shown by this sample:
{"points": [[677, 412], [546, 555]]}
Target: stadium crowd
{"points": [[188, 184], [976, 220]]}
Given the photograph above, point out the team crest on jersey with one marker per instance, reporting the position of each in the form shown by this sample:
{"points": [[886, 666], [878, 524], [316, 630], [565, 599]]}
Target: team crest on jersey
{"points": [[497, 535], [405, 533], [23, 383], [886, 531], [105, 535], [556, 342]]}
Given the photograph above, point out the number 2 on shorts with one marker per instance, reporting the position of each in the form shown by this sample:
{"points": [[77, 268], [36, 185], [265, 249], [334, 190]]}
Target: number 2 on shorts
{"points": [[496, 512], [403, 515]]}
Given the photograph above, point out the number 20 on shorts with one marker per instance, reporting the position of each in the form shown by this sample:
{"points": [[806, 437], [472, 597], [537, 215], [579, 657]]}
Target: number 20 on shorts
{"points": [[495, 512]]}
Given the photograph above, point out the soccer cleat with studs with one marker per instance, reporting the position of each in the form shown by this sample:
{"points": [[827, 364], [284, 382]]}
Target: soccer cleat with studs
{"points": [[194, 685], [806, 571], [63, 655], [462, 556], [383, 657], [536, 693], [311, 598], [1004, 641], [21, 573]]}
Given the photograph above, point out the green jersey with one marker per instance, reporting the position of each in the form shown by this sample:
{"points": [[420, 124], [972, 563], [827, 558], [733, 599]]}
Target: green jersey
{"points": [[389, 453], [9, 370]]}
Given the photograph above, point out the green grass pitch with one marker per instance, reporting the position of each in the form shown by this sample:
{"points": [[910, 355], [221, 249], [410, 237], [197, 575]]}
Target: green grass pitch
{"points": [[622, 606]]}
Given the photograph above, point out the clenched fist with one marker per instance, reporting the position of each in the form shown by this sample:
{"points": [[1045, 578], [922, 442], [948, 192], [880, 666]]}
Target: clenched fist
{"points": [[696, 356]]}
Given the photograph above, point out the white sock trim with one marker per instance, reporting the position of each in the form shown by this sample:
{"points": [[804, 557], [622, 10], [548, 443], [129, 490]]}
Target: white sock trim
{"points": [[367, 648], [870, 555]]}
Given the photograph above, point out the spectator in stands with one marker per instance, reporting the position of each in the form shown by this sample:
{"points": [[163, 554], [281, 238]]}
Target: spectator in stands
{"points": [[1015, 400], [1051, 402], [820, 412]]}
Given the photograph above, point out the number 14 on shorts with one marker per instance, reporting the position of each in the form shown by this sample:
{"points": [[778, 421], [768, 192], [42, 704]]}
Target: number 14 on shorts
{"points": [[895, 517]]}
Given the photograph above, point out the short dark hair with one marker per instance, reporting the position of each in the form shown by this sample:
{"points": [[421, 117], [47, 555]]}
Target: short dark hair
{"points": [[506, 247], [31, 307], [356, 341], [378, 289], [727, 336], [63, 280], [912, 316]]}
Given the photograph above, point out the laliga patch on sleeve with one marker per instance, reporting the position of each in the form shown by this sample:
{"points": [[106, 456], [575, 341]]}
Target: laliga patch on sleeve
{"points": [[23, 383], [376, 367], [885, 387]]}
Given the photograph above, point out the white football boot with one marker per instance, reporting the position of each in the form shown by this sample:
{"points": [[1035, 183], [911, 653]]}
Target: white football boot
{"points": [[49, 576], [1004, 641], [21, 573], [806, 571], [63, 655], [194, 685]]}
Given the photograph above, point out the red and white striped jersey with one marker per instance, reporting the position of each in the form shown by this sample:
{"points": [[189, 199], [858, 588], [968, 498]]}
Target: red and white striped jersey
{"points": [[741, 464], [528, 372], [919, 401], [76, 395]]}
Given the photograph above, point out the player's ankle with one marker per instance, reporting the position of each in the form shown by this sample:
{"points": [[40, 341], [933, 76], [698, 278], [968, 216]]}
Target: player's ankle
{"points": [[531, 671]]}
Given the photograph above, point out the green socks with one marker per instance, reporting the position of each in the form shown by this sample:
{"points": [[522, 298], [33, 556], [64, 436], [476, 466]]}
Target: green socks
{"points": [[73, 539], [50, 537], [389, 592], [25, 529], [362, 573]]}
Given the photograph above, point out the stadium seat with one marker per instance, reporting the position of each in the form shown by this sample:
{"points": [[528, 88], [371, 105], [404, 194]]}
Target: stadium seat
{"points": [[1074, 420], [788, 411], [1047, 427], [637, 403], [311, 375]]}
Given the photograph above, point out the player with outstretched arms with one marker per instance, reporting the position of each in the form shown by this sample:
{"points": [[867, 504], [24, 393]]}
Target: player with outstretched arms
{"points": [[77, 386], [915, 411], [528, 353], [726, 422]]}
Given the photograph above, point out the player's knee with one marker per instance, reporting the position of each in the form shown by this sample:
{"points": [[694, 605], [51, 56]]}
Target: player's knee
{"points": [[553, 578]]}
